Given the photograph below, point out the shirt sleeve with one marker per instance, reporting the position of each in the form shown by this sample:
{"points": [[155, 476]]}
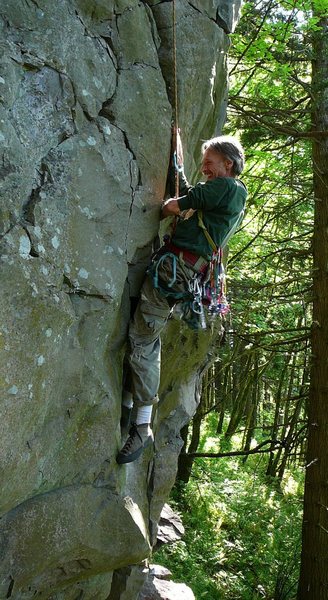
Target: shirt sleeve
{"points": [[204, 195]]}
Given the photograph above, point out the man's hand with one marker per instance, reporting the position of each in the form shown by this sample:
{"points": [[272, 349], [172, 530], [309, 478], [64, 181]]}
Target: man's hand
{"points": [[170, 207]]}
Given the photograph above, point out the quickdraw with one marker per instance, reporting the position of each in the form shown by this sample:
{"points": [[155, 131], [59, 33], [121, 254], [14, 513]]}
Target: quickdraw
{"points": [[214, 289]]}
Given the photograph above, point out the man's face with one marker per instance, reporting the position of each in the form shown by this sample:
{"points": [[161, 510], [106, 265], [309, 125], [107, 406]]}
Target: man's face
{"points": [[215, 164]]}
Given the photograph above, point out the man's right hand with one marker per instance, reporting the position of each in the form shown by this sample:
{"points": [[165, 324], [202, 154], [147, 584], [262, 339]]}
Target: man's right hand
{"points": [[170, 208]]}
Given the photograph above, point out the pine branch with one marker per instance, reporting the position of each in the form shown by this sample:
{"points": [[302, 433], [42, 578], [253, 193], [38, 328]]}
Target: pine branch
{"points": [[277, 128], [274, 445]]}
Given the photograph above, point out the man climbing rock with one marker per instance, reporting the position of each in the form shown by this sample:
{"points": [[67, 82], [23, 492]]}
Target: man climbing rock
{"points": [[176, 270]]}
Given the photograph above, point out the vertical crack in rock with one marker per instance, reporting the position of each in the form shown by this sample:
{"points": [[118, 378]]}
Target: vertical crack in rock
{"points": [[133, 191], [11, 586], [153, 27], [83, 108], [108, 114], [33, 252], [109, 47], [150, 490], [27, 217], [35, 197], [86, 32], [106, 111], [65, 135], [195, 8]]}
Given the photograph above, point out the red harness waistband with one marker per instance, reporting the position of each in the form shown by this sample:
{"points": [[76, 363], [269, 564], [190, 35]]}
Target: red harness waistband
{"points": [[198, 262]]}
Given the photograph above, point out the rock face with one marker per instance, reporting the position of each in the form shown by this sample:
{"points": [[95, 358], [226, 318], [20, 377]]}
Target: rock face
{"points": [[86, 105]]}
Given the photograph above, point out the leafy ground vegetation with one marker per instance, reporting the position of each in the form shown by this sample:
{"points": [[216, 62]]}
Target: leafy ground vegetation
{"points": [[243, 533], [241, 470]]}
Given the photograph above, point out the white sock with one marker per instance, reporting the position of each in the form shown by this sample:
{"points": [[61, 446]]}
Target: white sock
{"points": [[144, 414], [127, 399]]}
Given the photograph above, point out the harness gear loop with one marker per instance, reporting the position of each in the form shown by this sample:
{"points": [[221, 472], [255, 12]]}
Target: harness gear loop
{"points": [[215, 292]]}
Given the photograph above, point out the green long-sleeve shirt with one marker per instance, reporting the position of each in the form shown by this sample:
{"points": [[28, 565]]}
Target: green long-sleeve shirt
{"points": [[222, 201]]}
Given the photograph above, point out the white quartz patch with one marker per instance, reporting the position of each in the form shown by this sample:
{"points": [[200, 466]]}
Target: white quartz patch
{"points": [[55, 242], [24, 246], [83, 274], [37, 231], [13, 390]]}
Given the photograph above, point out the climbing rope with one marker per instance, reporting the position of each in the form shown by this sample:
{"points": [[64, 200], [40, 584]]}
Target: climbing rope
{"points": [[175, 98]]}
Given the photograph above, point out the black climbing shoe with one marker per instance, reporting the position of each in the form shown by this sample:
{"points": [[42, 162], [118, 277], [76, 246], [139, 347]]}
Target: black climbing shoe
{"points": [[140, 436], [125, 418]]}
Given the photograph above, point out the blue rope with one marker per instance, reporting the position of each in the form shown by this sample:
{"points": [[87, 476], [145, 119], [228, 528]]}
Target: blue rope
{"points": [[174, 269]]}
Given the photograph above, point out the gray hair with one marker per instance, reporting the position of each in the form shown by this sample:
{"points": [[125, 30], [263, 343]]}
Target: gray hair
{"points": [[230, 148]]}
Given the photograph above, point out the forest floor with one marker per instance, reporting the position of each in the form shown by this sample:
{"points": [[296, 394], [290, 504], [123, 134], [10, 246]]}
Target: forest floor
{"points": [[243, 531]]}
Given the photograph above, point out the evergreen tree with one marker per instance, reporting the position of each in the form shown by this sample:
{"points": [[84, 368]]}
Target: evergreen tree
{"points": [[314, 574]]}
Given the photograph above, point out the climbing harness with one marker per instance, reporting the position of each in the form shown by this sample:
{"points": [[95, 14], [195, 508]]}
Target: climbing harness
{"points": [[194, 287], [176, 281]]}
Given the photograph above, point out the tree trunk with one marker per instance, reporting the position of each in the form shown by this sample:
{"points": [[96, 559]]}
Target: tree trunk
{"points": [[313, 584], [272, 464], [184, 464], [238, 408], [225, 391], [251, 412], [185, 460]]}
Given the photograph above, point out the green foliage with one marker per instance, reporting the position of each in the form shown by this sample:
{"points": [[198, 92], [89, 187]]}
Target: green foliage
{"points": [[243, 517], [242, 533], [270, 259]]}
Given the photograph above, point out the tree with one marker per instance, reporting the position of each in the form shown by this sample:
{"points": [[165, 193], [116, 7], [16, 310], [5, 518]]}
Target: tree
{"points": [[314, 573]]}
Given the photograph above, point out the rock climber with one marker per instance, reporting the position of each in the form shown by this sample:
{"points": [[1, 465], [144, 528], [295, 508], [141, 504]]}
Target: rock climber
{"points": [[221, 201]]}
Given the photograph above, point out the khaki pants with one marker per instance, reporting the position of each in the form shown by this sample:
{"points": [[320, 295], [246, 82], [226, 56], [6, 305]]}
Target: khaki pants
{"points": [[150, 318]]}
